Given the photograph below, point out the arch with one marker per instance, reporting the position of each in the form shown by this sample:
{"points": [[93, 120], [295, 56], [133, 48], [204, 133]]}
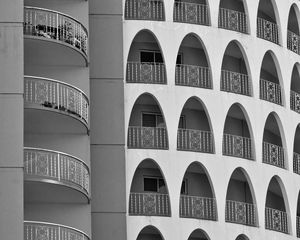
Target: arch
{"points": [[242, 237], [150, 232], [145, 60], [235, 74], [293, 29], [197, 192], [195, 128], [192, 63], [295, 88], [149, 194], [238, 138], [198, 234]]}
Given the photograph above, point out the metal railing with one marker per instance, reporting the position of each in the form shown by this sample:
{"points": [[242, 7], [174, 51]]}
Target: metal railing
{"points": [[49, 231], [296, 163], [194, 13], [298, 226], [235, 82], [55, 95], [193, 76], [149, 204], [54, 25], [233, 20], [276, 220], [295, 101], [273, 154], [293, 42], [240, 212], [237, 146], [195, 140], [142, 72], [270, 91], [145, 10], [267, 30], [147, 137], [198, 207], [43, 164]]}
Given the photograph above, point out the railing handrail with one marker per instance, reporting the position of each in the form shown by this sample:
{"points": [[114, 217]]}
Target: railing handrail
{"points": [[268, 143], [274, 209], [195, 4], [190, 65], [232, 135], [233, 201], [199, 197], [264, 80], [148, 127], [264, 20], [197, 130], [152, 193], [294, 92], [150, 63], [289, 31], [228, 9], [241, 74]]}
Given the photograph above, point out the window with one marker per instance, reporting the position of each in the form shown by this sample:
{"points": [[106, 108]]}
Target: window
{"points": [[152, 120], [151, 57], [154, 184], [184, 187]]}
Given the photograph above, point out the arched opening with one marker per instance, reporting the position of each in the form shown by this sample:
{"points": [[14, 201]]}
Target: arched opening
{"points": [[198, 234], [270, 89], [232, 16], [150, 233], [237, 140], [293, 30], [276, 218], [147, 127], [242, 237], [149, 192], [240, 203], [273, 151], [194, 132], [192, 67], [295, 89], [145, 62], [196, 194], [267, 23], [145, 10], [298, 217], [296, 155], [235, 75], [191, 11]]}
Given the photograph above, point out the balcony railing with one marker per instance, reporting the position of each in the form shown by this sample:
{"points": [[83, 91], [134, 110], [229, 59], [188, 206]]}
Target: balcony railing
{"points": [[193, 13], [147, 137], [140, 72], [53, 166], [276, 220], [152, 10], [195, 140], [241, 213], [54, 95], [237, 146], [267, 30], [233, 20], [295, 101], [298, 226], [198, 207], [273, 154], [235, 82], [48, 24], [149, 204], [193, 76], [293, 42], [296, 163], [270, 91], [50, 231]]}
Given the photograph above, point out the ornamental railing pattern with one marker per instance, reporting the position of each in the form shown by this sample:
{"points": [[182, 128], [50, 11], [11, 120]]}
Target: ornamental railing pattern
{"points": [[270, 91], [273, 154], [53, 166], [195, 140], [55, 95], [193, 13], [296, 163], [50, 231], [233, 20], [149, 204], [276, 220], [298, 226], [193, 76], [57, 26], [146, 72], [293, 42], [147, 137], [240, 212], [295, 101], [237, 146], [198, 207], [267, 30], [235, 82], [152, 10]]}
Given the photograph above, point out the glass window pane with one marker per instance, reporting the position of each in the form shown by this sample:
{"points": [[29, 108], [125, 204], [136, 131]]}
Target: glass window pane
{"points": [[150, 184], [148, 120], [147, 57]]}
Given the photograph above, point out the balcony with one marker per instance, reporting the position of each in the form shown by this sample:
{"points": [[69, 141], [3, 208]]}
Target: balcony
{"points": [[45, 231], [267, 30], [298, 227], [149, 204], [293, 42], [233, 20], [237, 146], [193, 76], [54, 27], [295, 101], [296, 163], [276, 220], [193, 13], [235, 82], [270, 91], [198, 207], [240, 213], [273, 155], [55, 97]]}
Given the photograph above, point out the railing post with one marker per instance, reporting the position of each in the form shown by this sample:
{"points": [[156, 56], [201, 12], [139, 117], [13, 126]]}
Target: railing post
{"points": [[58, 166]]}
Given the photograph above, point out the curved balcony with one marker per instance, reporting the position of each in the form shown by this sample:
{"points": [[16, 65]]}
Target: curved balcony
{"points": [[276, 220], [235, 82], [34, 230], [237, 146], [233, 20], [295, 101], [54, 97], [54, 27], [273, 154], [296, 163], [293, 42], [270, 92], [53, 167], [267, 30]]}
